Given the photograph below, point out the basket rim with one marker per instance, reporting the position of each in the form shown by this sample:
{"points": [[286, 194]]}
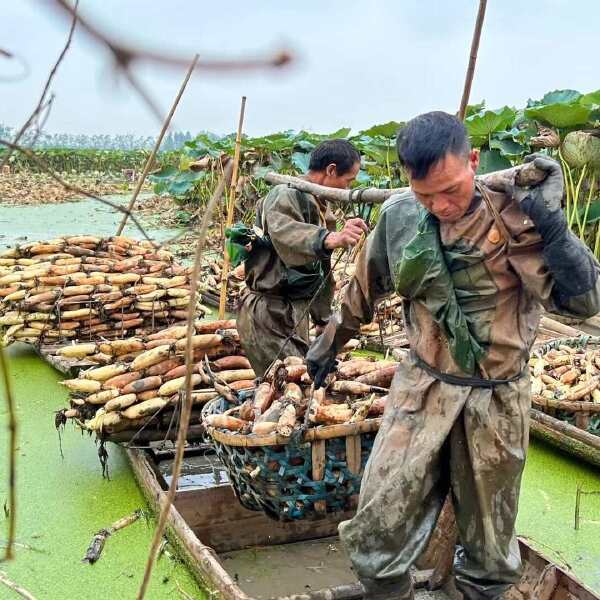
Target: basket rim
{"points": [[574, 406], [320, 432], [579, 341]]}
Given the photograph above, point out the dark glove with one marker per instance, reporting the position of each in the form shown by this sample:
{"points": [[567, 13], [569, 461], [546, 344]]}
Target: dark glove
{"points": [[321, 359], [572, 265], [542, 203], [318, 369]]}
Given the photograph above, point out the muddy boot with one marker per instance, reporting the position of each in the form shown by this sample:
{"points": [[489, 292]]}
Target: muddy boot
{"points": [[396, 589]]}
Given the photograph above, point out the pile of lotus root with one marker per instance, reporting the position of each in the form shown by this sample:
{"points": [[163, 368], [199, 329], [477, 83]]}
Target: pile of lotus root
{"points": [[286, 400], [86, 287], [143, 377]]}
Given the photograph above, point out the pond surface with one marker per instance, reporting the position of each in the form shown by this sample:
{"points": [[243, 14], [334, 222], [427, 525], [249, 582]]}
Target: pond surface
{"points": [[547, 511], [62, 502], [22, 224]]}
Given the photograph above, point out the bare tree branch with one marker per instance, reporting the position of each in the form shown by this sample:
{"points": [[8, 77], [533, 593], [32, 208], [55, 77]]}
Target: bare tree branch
{"points": [[186, 410], [41, 119], [40, 105], [10, 56], [143, 93], [124, 55]]}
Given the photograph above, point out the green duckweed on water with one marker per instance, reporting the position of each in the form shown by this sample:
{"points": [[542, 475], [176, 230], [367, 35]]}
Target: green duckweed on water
{"points": [[547, 511], [62, 502]]}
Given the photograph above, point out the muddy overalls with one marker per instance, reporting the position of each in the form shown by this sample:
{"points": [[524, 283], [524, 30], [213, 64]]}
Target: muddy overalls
{"points": [[457, 415], [283, 276]]}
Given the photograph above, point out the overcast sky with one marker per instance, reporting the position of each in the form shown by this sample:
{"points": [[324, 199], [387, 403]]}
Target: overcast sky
{"points": [[357, 63]]}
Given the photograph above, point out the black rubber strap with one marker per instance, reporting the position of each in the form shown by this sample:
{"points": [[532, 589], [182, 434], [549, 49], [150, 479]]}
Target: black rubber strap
{"points": [[477, 382]]}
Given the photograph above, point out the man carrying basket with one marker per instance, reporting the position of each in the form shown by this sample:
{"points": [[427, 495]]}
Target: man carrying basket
{"points": [[474, 267]]}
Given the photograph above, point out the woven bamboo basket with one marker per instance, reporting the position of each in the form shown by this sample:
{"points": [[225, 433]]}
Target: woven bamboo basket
{"points": [[305, 476], [585, 415]]}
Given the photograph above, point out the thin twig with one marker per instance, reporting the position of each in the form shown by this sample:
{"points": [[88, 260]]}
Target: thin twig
{"points": [[157, 144], [12, 471], [73, 188], [125, 55], [187, 401], [231, 208], [39, 125], [183, 593], [96, 546], [146, 97], [42, 100], [15, 587]]}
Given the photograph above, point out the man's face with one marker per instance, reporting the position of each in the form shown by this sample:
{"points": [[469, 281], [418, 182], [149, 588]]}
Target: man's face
{"points": [[343, 182], [447, 190]]}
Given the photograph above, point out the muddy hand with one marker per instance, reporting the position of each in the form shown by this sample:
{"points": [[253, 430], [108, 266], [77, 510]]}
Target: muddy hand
{"points": [[349, 236]]}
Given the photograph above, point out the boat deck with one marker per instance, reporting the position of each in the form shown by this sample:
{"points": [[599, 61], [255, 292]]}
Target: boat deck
{"points": [[276, 571], [302, 560]]}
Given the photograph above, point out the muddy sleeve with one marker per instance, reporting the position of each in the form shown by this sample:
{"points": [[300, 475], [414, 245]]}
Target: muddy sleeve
{"points": [[563, 277], [296, 242], [372, 281]]}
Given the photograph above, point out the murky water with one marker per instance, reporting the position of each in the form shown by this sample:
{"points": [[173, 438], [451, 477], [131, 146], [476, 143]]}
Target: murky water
{"points": [[197, 472], [22, 224]]}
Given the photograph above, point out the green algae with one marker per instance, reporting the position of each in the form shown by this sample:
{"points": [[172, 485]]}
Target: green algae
{"points": [[547, 511], [62, 502]]}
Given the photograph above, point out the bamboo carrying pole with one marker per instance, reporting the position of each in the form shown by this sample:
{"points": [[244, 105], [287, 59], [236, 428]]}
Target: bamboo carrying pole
{"points": [[186, 409], [231, 208], [159, 140], [523, 175], [446, 523], [472, 60]]}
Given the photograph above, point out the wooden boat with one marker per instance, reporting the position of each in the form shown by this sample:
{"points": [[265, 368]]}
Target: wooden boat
{"points": [[568, 438], [243, 555], [66, 366]]}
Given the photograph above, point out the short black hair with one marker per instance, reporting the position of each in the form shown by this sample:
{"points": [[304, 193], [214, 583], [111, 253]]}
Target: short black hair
{"points": [[340, 152], [426, 139]]}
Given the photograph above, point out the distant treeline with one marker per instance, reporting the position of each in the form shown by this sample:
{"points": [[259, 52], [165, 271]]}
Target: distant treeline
{"points": [[172, 141]]}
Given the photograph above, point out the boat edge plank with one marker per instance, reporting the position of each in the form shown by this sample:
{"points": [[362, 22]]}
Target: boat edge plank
{"points": [[200, 559]]}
